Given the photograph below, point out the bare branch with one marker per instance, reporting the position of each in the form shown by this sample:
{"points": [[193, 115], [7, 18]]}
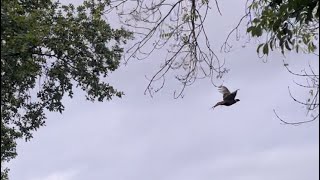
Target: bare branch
{"points": [[225, 46], [174, 26], [298, 122], [217, 5], [312, 103]]}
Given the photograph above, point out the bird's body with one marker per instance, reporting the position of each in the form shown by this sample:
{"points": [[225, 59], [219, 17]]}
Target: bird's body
{"points": [[228, 98]]}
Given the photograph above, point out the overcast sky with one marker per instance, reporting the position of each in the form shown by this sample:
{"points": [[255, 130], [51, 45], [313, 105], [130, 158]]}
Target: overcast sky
{"points": [[162, 138]]}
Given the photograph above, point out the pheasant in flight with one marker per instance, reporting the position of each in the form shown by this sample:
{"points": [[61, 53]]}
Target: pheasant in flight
{"points": [[228, 98]]}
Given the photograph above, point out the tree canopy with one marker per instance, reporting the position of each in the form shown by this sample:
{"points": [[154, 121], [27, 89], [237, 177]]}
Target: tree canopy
{"points": [[290, 25], [47, 50]]}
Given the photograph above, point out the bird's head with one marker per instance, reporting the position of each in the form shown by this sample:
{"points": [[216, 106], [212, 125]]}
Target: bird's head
{"points": [[237, 100]]}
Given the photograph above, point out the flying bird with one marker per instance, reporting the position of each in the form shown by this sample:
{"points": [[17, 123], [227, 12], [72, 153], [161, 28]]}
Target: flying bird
{"points": [[228, 98]]}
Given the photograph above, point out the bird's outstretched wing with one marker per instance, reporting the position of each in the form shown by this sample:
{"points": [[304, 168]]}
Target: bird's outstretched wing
{"points": [[230, 96], [225, 91]]}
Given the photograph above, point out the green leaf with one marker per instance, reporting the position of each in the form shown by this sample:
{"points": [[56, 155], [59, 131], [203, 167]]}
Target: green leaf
{"points": [[259, 32], [271, 44], [287, 46], [258, 48], [256, 31], [265, 49], [250, 29], [311, 47], [297, 48]]}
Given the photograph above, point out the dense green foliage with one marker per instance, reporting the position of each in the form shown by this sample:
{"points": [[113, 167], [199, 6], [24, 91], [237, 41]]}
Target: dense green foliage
{"points": [[288, 24], [47, 50]]}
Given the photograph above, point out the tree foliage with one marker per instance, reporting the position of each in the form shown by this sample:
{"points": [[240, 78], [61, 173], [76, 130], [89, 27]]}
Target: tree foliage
{"points": [[289, 25], [48, 50]]}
